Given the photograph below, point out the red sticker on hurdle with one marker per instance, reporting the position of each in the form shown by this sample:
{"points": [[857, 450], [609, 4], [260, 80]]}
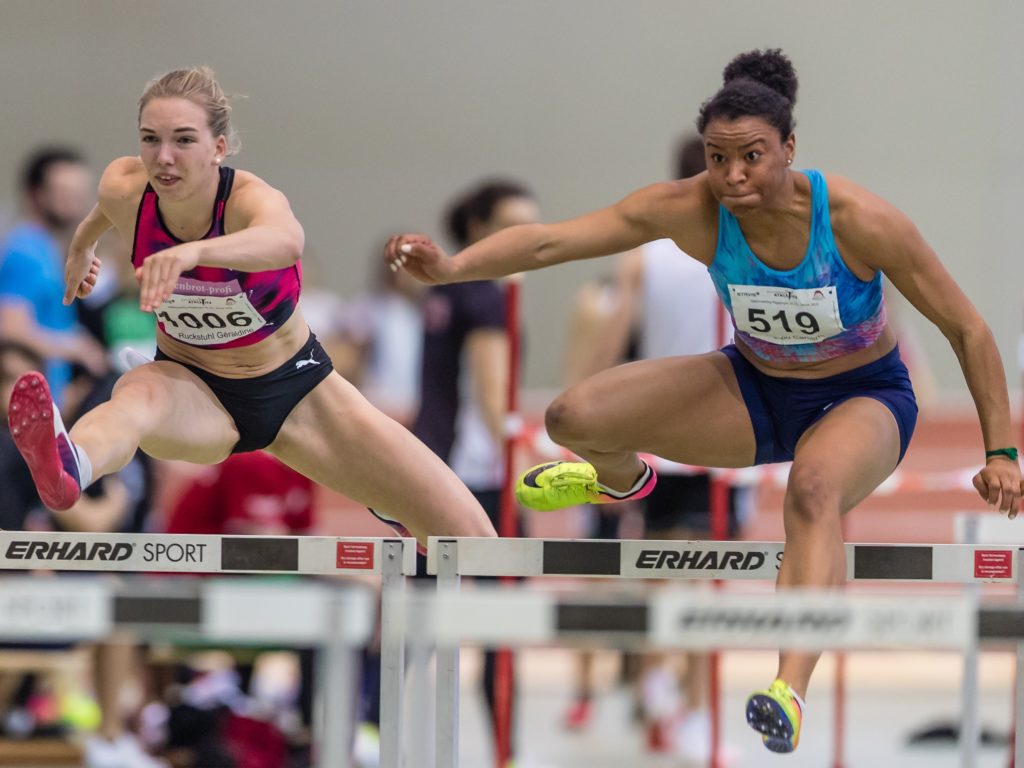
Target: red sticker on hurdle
{"points": [[993, 564], [355, 555]]}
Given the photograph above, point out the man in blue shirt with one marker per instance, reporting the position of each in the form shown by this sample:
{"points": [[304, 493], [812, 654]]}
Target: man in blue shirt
{"points": [[57, 189]]}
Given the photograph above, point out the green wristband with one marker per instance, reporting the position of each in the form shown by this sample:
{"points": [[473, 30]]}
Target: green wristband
{"points": [[1010, 453]]}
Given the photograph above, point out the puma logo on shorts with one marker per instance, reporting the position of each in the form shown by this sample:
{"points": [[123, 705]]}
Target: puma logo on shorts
{"points": [[303, 363]]}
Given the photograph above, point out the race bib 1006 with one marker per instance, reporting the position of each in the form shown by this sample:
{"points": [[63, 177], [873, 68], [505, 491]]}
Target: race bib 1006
{"points": [[206, 313], [786, 315]]}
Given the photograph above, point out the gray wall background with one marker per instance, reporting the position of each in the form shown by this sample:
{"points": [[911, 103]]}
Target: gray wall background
{"points": [[370, 115]]}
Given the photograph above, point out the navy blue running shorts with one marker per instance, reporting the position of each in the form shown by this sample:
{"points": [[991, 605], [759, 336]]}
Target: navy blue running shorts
{"points": [[259, 405], [782, 409]]}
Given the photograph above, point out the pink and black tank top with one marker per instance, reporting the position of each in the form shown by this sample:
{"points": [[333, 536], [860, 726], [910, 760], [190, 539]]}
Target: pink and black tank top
{"points": [[213, 307]]}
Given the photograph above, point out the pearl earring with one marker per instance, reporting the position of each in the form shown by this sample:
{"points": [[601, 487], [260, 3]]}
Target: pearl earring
{"points": [[789, 161]]}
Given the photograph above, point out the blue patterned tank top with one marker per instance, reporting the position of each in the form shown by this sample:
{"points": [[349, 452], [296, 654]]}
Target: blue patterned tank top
{"points": [[816, 311]]}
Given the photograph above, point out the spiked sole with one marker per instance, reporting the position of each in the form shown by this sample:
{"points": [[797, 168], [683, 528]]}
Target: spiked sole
{"points": [[31, 420], [767, 717]]}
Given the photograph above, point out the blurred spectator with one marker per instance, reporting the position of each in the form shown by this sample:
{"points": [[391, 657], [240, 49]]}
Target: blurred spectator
{"points": [[18, 501], [384, 329], [463, 400], [600, 336], [375, 342], [56, 186], [247, 494], [19, 497], [327, 314]]}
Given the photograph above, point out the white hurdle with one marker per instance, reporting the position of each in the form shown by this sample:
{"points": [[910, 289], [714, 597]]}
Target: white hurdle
{"points": [[987, 529], [233, 612], [452, 558]]}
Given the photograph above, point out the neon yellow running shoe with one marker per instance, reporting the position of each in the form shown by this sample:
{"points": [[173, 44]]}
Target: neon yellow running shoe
{"points": [[557, 485], [561, 484], [776, 714]]}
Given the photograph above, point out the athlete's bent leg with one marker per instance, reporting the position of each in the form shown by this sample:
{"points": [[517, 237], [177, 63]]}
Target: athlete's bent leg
{"points": [[338, 439], [686, 409], [163, 408]]}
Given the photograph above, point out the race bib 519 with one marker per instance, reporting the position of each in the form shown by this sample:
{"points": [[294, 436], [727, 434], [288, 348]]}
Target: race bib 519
{"points": [[785, 315]]}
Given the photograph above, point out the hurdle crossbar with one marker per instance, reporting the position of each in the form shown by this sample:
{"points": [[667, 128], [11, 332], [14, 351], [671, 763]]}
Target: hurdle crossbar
{"points": [[230, 611], [491, 616], [336, 619], [390, 558], [184, 553], [725, 560], [684, 619], [452, 558]]}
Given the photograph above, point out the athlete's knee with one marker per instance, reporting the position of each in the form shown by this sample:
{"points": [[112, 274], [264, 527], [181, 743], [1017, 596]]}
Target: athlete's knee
{"points": [[811, 497], [568, 419], [138, 395], [481, 527]]}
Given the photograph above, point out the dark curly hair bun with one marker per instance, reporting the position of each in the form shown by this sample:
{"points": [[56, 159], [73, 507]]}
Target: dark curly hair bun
{"points": [[757, 84], [770, 67]]}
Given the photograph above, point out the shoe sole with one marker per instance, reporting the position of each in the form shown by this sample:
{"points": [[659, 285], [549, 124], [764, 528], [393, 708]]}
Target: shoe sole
{"points": [[766, 716], [31, 423]]}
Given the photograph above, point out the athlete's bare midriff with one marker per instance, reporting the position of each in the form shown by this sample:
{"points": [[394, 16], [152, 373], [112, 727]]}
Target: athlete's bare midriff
{"points": [[256, 359], [882, 346]]}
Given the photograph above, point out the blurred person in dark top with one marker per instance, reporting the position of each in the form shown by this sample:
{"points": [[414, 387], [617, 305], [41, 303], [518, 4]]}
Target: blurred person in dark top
{"points": [[463, 393], [19, 495]]}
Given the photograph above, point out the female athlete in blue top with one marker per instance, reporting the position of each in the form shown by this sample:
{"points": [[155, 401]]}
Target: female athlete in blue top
{"points": [[814, 375]]}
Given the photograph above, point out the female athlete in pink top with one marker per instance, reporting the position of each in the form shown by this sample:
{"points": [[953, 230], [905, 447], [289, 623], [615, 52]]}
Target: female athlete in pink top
{"points": [[217, 253]]}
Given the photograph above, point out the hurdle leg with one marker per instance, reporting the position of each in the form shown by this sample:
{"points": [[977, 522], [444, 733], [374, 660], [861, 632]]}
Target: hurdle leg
{"points": [[839, 696], [839, 712], [1018, 724], [970, 729], [392, 657], [337, 673], [447, 706]]}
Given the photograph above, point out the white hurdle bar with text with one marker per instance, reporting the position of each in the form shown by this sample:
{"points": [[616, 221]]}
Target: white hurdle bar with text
{"points": [[233, 611], [452, 558]]}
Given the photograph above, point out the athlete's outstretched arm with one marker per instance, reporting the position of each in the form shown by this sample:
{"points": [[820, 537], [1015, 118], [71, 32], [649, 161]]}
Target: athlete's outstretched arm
{"points": [[116, 206], [660, 210], [83, 266], [897, 248]]}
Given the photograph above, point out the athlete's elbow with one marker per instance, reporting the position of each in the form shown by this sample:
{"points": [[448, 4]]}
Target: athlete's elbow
{"points": [[545, 249], [292, 247], [972, 333]]}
